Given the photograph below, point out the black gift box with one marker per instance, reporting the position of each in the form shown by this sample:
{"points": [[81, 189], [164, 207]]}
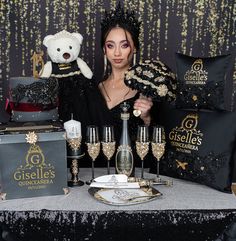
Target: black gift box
{"points": [[32, 161]]}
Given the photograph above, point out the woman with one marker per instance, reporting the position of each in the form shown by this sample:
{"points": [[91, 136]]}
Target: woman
{"points": [[119, 47], [120, 42]]}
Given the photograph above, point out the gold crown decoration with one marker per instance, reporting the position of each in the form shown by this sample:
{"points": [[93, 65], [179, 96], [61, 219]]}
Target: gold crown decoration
{"points": [[197, 65], [190, 116], [35, 149]]}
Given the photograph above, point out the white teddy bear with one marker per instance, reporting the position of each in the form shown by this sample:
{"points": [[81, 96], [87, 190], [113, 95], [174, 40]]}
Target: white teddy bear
{"points": [[63, 48]]}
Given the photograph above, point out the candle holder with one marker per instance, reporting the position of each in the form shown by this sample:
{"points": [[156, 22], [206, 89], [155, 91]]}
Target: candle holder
{"points": [[73, 137], [74, 143], [74, 153]]}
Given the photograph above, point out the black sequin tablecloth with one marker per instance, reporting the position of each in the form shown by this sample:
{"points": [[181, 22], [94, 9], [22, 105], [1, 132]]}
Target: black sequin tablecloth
{"points": [[186, 212]]}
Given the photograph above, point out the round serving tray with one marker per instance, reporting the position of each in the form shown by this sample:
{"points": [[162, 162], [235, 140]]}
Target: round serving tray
{"points": [[121, 197]]}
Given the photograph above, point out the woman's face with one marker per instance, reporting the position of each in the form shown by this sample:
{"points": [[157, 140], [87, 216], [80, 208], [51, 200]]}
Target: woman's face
{"points": [[119, 48]]}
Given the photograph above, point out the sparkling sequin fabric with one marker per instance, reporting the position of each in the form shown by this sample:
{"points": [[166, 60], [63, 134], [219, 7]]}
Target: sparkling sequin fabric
{"points": [[171, 225]]}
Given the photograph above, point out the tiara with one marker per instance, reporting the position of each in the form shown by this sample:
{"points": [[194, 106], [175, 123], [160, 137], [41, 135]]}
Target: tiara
{"points": [[124, 19]]}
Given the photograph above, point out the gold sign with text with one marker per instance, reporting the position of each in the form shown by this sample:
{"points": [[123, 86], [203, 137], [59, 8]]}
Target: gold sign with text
{"points": [[197, 75], [186, 138], [36, 173]]}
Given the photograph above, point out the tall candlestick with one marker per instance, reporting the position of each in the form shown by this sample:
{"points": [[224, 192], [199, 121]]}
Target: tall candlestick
{"points": [[73, 137]]}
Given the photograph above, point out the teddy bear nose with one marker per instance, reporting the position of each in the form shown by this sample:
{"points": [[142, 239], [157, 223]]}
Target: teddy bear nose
{"points": [[66, 56]]}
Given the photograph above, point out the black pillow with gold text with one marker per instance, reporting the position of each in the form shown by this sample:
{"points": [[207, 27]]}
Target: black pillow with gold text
{"points": [[200, 146], [205, 83]]}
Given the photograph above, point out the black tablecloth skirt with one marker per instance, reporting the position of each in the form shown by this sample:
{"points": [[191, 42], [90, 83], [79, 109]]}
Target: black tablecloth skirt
{"points": [[167, 225]]}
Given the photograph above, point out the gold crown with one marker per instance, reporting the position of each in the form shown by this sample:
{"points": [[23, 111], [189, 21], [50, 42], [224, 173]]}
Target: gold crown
{"points": [[197, 63], [193, 116], [35, 149], [190, 116]]}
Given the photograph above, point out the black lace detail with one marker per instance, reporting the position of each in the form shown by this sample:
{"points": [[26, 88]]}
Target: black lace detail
{"points": [[153, 79], [209, 96], [201, 169], [37, 93], [70, 88]]}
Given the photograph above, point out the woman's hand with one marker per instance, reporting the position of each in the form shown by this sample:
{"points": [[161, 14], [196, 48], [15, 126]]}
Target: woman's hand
{"points": [[144, 104]]}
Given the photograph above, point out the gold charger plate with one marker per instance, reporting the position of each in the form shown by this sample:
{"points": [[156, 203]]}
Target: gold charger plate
{"points": [[121, 197]]}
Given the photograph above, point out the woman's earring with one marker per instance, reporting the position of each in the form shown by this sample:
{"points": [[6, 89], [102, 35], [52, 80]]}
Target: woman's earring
{"points": [[105, 64], [134, 59]]}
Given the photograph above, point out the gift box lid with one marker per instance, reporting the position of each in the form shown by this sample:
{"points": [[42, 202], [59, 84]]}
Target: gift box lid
{"points": [[25, 132]]}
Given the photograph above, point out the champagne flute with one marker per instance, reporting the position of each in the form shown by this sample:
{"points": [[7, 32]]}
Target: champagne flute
{"points": [[93, 144], [142, 144], [108, 144], [158, 146]]}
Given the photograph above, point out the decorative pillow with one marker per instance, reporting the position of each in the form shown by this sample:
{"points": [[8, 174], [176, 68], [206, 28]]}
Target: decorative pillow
{"points": [[200, 146], [204, 83]]}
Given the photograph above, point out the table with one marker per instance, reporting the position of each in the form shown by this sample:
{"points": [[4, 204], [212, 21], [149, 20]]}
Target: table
{"points": [[186, 211]]}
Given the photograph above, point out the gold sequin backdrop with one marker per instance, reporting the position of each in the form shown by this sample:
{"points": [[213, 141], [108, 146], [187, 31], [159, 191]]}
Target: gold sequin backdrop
{"points": [[194, 27]]}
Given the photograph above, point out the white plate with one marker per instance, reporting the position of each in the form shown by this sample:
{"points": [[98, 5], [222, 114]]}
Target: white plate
{"points": [[121, 197]]}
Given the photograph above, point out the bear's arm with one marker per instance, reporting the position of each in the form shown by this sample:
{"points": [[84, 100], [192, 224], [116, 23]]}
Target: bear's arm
{"points": [[85, 70], [46, 71]]}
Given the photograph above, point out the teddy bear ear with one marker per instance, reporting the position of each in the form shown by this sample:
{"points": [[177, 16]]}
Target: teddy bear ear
{"points": [[78, 36], [46, 39]]}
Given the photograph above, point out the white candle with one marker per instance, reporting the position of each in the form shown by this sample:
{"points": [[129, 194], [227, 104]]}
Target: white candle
{"points": [[73, 129]]}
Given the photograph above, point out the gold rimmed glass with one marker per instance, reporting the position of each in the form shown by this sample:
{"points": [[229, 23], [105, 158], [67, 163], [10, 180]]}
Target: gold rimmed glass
{"points": [[108, 144], [142, 144], [158, 146], [93, 145]]}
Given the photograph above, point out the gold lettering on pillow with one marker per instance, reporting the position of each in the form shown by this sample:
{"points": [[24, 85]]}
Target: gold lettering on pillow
{"points": [[187, 137], [196, 75]]}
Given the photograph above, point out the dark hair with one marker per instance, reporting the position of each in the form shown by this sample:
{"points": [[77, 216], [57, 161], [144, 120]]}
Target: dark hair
{"points": [[122, 19]]}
